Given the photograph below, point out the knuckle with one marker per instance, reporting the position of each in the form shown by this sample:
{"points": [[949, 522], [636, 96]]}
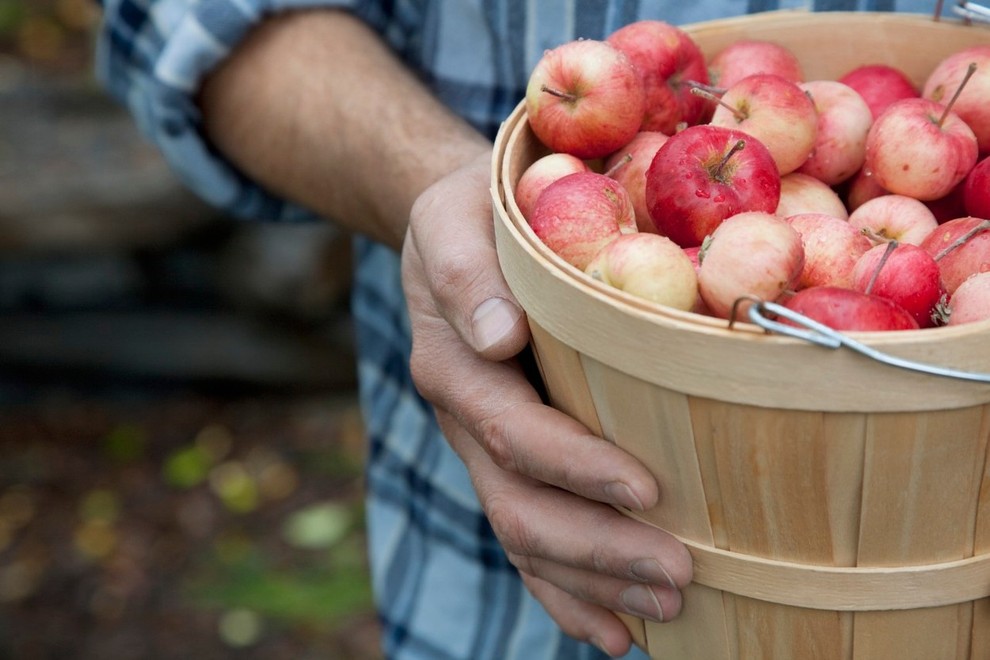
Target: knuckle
{"points": [[600, 560], [455, 270], [498, 443], [522, 563], [510, 527], [424, 374]]}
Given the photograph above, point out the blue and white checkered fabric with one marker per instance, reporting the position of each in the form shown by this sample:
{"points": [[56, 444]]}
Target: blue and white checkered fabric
{"points": [[443, 586]]}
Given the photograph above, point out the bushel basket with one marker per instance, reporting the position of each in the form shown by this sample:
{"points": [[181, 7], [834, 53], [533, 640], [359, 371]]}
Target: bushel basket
{"points": [[836, 507]]}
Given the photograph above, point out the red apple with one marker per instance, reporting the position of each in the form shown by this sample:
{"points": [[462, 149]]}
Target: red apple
{"points": [[976, 190], [628, 166], [648, 266], [905, 274], [973, 102], [746, 57], [861, 188], [971, 300], [849, 310], [803, 193], [542, 172], [844, 120], [704, 174], [920, 148], [667, 59], [961, 247], [894, 217], [774, 110], [880, 85], [577, 215], [831, 249], [950, 205], [750, 254], [585, 98]]}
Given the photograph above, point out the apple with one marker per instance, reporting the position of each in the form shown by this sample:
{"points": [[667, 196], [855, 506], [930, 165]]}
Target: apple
{"points": [[880, 85], [694, 254], [746, 57], [894, 217], [904, 273], [577, 215], [542, 172], [704, 174], [972, 103], [976, 190], [950, 205], [648, 266], [585, 98], [751, 254], [961, 247], [628, 166], [832, 247], [920, 148], [848, 310], [774, 110], [803, 193], [667, 59], [844, 120], [971, 300], [861, 188]]}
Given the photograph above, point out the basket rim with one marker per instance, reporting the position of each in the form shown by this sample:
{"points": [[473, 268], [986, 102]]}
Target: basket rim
{"points": [[961, 347]]}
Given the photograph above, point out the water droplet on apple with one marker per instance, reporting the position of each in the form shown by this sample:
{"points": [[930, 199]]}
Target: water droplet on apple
{"points": [[703, 194]]}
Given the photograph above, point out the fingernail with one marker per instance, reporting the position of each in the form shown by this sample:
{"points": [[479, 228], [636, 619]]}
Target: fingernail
{"points": [[650, 570], [642, 602], [492, 320], [598, 644], [621, 494]]}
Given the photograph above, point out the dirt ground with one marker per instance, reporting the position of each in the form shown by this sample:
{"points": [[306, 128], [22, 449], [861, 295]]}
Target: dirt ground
{"points": [[183, 526]]}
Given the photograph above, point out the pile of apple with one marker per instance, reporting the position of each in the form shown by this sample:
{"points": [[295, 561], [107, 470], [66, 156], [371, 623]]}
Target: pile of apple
{"points": [[701, 183]]}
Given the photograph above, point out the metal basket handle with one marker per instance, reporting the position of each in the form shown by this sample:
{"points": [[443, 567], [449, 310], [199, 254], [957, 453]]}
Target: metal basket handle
{"points": [[972, 12], [818, 333]]}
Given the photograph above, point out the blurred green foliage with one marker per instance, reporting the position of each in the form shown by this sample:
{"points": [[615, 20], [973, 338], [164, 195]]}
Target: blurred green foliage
{"points": [[52, 34]]}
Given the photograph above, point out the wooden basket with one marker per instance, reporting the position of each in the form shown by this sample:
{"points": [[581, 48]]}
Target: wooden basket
{"points": [[835, 507]]}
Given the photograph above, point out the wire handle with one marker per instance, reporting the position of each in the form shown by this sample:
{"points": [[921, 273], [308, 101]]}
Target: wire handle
{"points": [[972, 11], [818, 333]]}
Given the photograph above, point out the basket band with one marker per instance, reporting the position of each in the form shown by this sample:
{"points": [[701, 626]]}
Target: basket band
{"points": [[838, 587]]}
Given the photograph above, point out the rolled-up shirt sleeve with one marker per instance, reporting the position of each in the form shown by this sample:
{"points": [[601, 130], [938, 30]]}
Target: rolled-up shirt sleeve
{"points": [[152, 55]]}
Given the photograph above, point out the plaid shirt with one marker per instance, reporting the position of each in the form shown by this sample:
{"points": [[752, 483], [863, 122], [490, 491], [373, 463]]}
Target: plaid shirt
{"points": [[443, 585]]}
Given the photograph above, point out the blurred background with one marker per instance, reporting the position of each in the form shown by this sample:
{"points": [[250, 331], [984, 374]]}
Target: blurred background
{"points": [[180, 447]]}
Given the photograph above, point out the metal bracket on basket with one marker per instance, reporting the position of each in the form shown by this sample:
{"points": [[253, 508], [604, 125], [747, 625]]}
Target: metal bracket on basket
{"points": [[971, 11], [818, 333]]}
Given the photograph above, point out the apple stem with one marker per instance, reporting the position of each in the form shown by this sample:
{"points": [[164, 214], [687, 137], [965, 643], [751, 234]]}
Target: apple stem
{"points": [[559, 94], [970, 70], [891, 246], [875, 237], [983, 226], [615, 168], [705, 94], [711, 89], [737, 147]]}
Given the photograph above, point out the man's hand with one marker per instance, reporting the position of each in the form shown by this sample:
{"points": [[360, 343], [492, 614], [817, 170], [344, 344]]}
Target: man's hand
{"points": [[545, 482], [319, 134]]}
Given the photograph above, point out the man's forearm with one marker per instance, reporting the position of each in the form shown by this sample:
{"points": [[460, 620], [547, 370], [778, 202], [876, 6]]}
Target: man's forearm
{"points": [[315, 108]]}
